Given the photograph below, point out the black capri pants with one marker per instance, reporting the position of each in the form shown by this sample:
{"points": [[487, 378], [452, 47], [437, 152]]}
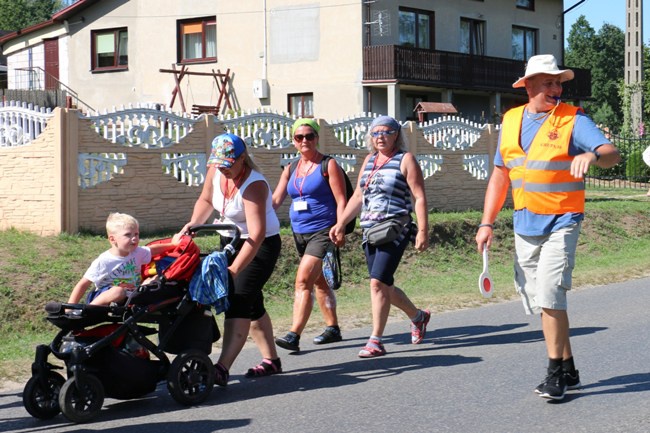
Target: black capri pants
{"points": [[245, 292]]}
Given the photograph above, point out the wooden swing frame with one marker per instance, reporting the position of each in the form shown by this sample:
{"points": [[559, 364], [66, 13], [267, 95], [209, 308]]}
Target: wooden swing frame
{"points": [[222, 80]]}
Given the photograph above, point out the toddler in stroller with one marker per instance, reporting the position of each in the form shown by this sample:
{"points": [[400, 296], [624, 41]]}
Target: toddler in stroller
{"points": [[115, 272], [106, 349]]}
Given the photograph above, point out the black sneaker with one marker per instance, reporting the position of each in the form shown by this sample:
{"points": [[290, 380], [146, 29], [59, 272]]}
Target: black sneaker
{"points": [[572, 382], [330, 335], [291, 342], [554, 385]]}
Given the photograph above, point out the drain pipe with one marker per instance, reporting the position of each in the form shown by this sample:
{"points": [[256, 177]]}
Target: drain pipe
{"points": [[264, 64]]}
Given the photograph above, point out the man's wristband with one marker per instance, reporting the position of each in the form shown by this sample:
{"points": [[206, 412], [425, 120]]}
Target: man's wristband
{"points": [[486, 225]]}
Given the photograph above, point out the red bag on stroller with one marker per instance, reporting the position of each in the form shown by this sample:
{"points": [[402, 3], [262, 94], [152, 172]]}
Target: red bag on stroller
{"points": [[178, 264]]}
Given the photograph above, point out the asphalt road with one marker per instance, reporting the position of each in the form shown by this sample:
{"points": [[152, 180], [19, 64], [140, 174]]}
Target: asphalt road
{"points": [[475, 372]]}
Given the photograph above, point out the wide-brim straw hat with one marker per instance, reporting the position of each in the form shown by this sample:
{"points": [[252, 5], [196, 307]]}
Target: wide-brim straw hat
{"points": [[543, 64]]}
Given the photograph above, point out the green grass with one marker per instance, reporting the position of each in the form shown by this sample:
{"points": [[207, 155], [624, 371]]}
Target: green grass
{"points": [[614, 246]]}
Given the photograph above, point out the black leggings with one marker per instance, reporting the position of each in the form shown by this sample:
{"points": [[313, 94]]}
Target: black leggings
{"points": [[245, 292]]}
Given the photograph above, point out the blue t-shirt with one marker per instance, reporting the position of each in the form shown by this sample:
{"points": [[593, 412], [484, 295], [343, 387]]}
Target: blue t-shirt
{"points": [[585, 137], [320, 210]]}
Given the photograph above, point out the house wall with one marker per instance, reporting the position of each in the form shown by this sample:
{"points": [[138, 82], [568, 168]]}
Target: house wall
{"points": [[34, 57], [64, 59], [29, 58], [310, 47], [331, 75], [499, 15], [151, 46]]}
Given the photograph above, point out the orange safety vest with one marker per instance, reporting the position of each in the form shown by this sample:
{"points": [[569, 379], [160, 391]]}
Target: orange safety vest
{"points": [[541, 180]]}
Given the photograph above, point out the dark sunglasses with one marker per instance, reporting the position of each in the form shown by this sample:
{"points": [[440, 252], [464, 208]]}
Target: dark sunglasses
{"points": [[380, 133], [308, 137]]}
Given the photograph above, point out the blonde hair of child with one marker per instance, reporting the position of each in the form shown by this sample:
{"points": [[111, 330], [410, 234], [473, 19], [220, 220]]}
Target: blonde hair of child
{"points": [[117, 221]]}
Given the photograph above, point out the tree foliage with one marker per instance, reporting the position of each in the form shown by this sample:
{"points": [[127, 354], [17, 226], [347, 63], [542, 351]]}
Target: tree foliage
{"points": [[18, 14], [603, 53], [580, 48]]}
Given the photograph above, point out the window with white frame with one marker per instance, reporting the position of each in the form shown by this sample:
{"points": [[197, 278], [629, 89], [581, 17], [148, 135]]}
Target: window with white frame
{"points": [[416, 28], [301, 104], [109, 49], [524, 43], [472, 36], [197, 40]]}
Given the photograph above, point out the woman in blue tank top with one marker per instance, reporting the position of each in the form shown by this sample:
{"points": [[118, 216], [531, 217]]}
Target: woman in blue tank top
{"points": [[316, 204], [390, 185]]}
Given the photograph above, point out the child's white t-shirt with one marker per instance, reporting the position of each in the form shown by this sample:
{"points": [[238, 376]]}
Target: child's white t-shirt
{"points": [[109, 270]]}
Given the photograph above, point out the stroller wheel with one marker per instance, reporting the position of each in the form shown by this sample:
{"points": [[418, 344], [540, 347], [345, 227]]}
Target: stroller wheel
{"points": [[191, 377], [42, 402], [81, 402]]}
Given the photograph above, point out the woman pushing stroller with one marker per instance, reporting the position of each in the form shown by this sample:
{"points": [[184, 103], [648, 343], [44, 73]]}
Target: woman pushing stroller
{"points": [[237, 190]]}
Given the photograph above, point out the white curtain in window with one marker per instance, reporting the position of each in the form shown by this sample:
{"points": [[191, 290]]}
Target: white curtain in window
{"points": [[407, 28], [122, 45], [517, 44], [211, 40], [192, 46], [464, 36], [309, 106], [530, 44], [302, 105], [478, 42], [423, 31]]}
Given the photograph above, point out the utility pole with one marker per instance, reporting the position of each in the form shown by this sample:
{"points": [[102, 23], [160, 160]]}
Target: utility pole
{"points": [[634, 63]]}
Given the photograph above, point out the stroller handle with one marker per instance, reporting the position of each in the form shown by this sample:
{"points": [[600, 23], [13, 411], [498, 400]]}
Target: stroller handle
{"points": [[228, 249]]}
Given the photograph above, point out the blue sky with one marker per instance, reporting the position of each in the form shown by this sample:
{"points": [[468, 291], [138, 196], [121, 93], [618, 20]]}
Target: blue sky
{"points": [[599, 12]]}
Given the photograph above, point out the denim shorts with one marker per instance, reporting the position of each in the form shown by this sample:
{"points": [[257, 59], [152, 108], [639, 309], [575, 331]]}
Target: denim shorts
{"points": [[95, 293], [382, 260], [543, 268]]}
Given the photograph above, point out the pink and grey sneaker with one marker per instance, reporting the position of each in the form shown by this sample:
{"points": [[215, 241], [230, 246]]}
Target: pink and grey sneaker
{"points": [[418, 329]]}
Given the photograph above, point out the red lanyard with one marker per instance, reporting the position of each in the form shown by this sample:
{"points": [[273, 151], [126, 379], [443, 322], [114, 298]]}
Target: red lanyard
{"points": [[228, 194], [295, 178], [375, 168]]}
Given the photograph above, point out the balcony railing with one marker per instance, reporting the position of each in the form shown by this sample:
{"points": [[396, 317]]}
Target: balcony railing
{"points": [[455, 70]]}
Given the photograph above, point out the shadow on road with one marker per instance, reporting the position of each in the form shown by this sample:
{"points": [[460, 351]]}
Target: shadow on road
{"points": [[132, 410], [402, 357], [195, 426], [339, 375], [638, 382], [482, 335]]}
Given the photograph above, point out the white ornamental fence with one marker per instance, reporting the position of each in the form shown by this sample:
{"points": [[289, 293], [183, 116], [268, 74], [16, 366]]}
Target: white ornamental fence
{"points": [[93, 158]]}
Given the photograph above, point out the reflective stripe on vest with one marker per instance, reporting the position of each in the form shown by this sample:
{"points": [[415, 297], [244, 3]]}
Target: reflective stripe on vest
{"points": [[541, 180], [554, 187]]}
